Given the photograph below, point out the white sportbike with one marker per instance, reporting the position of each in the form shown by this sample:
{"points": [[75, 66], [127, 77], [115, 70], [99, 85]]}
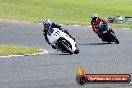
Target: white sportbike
{"points": [[62, 41]]}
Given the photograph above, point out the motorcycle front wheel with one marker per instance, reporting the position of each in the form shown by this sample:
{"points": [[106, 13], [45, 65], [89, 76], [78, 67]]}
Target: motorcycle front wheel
{"points": [[115, 39], [65, 45]]}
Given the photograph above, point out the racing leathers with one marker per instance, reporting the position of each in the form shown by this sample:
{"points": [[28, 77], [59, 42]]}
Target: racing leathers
{"points": [[96, 25], [99, 25]]}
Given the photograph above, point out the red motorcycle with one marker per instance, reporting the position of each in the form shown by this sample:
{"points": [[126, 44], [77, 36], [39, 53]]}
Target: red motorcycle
{"points": [[107, 35]]}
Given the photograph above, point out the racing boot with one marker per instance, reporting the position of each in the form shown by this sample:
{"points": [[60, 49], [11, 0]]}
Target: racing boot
{"points": [[53, 47], [103, 39], [99, 35]]}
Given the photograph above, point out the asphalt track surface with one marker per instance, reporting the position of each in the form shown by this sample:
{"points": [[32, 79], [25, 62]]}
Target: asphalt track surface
{"points": [[57, 70]]}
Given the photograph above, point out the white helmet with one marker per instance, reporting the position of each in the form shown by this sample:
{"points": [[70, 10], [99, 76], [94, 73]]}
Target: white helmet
{"points": [[94, 16], [47, 22]]}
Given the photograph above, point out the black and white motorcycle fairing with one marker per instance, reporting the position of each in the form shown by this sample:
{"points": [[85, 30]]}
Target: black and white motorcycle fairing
{"points": [[62, 41]]}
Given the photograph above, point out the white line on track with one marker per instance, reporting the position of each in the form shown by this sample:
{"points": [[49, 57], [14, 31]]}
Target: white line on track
{"points": [[126, 28], [75, 25], [90, 26]]}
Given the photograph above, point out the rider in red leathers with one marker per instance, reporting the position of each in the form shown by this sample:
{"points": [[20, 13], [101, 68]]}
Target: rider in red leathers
{"points": [[100, 27], [96, 22]]}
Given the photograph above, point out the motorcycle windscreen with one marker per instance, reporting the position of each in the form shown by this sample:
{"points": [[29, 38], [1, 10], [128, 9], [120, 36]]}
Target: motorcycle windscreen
{"points": [[53, 35], [50, 31]]}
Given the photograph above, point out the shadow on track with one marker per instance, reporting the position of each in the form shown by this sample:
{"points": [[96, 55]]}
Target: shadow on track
{"points": [[62, 54], [94, 44]]}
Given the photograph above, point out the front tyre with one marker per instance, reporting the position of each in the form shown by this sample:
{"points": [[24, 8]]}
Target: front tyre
{"points": [[115, 39], [66, 47], [76, 51]]}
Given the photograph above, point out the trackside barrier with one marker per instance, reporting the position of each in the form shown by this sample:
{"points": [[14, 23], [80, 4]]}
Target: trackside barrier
{"points": [[128, 19]]}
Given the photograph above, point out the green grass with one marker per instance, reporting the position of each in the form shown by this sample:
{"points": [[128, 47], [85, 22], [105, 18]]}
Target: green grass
{"points": [[120, 25], [64, 11], [6, 50]]}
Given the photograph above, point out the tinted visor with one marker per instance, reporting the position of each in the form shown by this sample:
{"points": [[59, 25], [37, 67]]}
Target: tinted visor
{"points": [[94, 18], [46, 25]]}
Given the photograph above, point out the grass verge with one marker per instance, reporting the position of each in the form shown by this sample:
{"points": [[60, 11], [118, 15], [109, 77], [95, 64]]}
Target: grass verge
{"points": [[122, 25], [64, 11], [6, 50]]}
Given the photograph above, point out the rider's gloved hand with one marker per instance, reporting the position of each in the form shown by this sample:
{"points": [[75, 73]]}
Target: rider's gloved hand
{"points": [[105, 25]]}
